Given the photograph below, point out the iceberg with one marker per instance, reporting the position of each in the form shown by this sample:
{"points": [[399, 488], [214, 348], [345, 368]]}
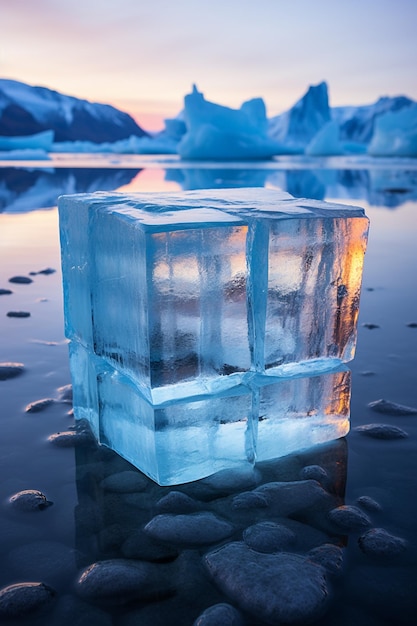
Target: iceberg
{"points": [[221, 133], [39, 141], [395, 134], [205, 324]]}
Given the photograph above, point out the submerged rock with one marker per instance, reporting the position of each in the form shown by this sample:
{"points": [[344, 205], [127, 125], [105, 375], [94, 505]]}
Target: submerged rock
{"points": [[125, 482], [5, 292], [391, 408], [39, 405], [349, 518], [23, 598], [65, 394], [268, 537], [46, 272], [219, 615], [314, 472], [379, 542], [368, 503], [10, 370], [250, 500], [29, 500], [72, 438], [193, 529], [118, 581], [381, 431], [277, 588], [287, 498], [177, 502], [328, 556]]}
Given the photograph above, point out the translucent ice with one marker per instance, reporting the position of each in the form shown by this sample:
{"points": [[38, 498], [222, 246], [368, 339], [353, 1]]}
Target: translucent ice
{"points": [[190, 314]]}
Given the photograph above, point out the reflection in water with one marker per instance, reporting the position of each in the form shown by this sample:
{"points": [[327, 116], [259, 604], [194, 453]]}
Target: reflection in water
{"points": [[116, 506], [23, 190]]}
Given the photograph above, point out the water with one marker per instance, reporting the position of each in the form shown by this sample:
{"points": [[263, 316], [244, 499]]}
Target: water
{"points": [[96, 521]]}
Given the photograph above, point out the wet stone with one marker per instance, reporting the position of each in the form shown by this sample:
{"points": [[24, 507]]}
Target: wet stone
{"points": [[194, 529], [279, 588], [5, 292], [18, 314], [412, 325], [381, 431], [20, 280], [23, 598], [118, 581], [378, 542], [288, 498], [65, 394], [314, 472], [368, 503], [219, 615], [10, 370], [269, 537], [391, 408], [177, 502], [29, 500], [124, 482], [328, 556], [45, 272], [349, 518], [370, 326], [250, 500], [71, 439], [39, 405]]}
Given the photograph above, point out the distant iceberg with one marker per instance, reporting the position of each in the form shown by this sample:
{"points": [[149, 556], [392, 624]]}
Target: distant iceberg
{"points": [[395, 134], [217, 132], [39, 141]]}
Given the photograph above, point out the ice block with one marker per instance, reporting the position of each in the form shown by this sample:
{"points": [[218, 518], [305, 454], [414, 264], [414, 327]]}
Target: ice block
{"points": [[210, 328]]}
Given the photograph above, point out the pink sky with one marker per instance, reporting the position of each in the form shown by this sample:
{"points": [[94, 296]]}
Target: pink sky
{"points": [[144, 56]]}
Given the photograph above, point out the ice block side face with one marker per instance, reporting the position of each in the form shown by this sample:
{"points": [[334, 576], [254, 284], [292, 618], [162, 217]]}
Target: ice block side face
{"points": [[197, 298], [179, 441], [314, 279], [297, 413]]}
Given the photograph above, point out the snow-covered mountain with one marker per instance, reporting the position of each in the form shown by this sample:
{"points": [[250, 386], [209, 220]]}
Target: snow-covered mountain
{"points": [[27, 110]]}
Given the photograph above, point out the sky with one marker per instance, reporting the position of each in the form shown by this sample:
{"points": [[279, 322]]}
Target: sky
{"points": [[144, 55]]}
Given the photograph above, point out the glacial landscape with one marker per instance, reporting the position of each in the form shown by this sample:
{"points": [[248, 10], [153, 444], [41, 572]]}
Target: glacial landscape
{"points": [[324, 536]]}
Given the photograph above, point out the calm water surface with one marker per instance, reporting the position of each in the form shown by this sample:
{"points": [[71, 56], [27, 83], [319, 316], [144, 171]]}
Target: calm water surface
{"points": [[54, 544]]}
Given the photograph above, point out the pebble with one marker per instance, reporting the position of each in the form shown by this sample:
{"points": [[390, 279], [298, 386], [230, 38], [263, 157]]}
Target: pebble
{"points": [[72, 438], [250, 500], [10, 370], [118, 581], [29, 500], [287, 498], [277, 588], [368, 503], [412, 325], [367, 373], [315, 472], [381, 431], [124, 482], [328, 556], [5, 292], [391, 408], [22, 598], [177, 502], [18, 314], [370, 326], [219, 615], [379, 542], [46, 272], [230, 480], [21, 280], [65, 394], [194, 529], [268, 537], [349, 518], [39, 405]]}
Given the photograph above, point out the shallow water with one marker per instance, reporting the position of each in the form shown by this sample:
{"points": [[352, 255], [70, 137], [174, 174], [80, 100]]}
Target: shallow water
{"points": [[87, 522]]}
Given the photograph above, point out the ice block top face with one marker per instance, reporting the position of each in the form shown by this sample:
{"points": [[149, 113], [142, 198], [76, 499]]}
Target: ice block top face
{"points": [[212, 206]]}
